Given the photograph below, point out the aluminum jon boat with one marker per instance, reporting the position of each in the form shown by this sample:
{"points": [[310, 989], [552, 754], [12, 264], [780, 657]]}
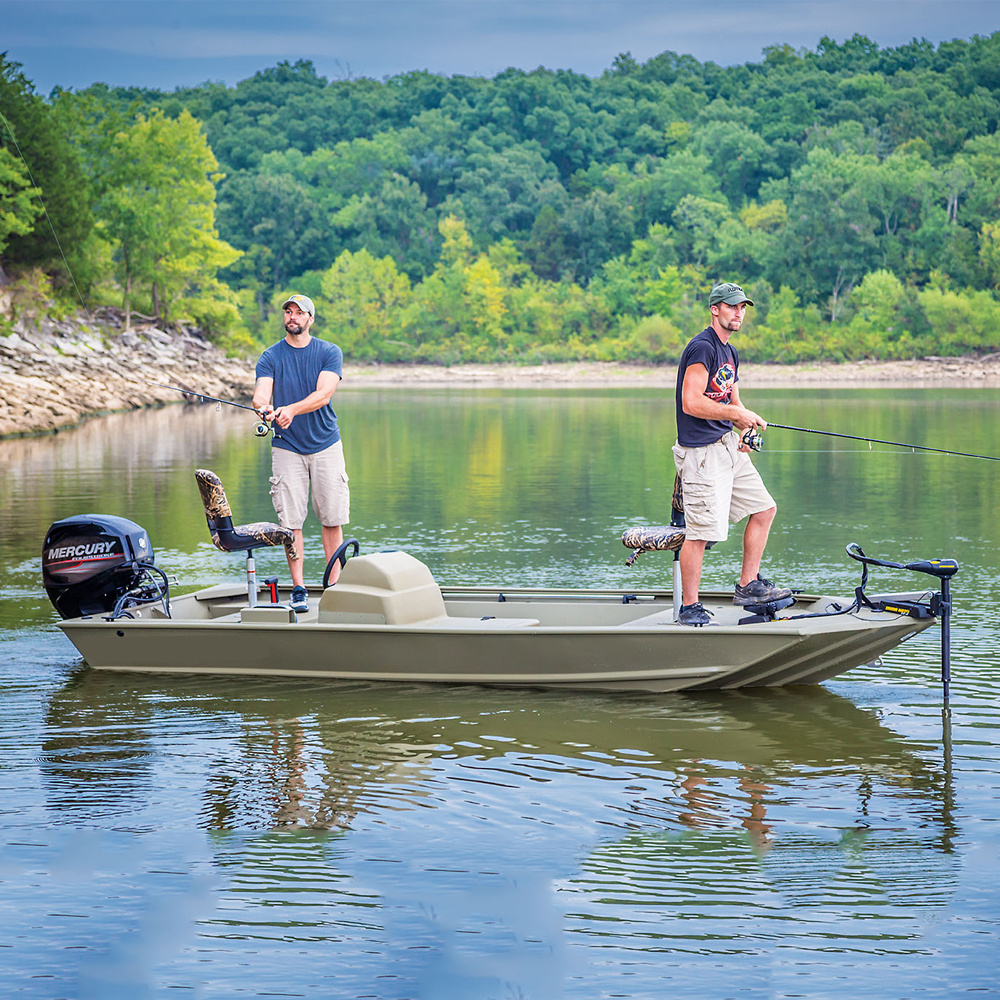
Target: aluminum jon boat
{"points": [[387, 619]]}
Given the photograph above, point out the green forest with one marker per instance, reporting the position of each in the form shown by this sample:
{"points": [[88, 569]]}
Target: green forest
{"points": [[853, 190]]}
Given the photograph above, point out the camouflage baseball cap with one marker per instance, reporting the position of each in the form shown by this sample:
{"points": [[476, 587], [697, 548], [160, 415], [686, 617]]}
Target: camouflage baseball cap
{"points": [[729, 293], [303, 302]]}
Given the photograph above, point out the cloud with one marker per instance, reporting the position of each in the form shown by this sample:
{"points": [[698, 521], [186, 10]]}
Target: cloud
{"points": [[166, 43]]}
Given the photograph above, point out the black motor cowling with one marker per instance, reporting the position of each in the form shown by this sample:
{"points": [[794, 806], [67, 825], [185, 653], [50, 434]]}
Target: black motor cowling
{"points": [[91, 561]]}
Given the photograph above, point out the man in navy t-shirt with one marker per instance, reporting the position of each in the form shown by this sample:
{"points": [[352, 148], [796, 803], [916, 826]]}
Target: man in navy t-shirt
{"points": [[718, 481], [296, 378]]}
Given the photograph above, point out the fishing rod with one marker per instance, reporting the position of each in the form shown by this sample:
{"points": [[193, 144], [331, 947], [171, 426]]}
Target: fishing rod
{"points": [[755, 440], [261, 430]]}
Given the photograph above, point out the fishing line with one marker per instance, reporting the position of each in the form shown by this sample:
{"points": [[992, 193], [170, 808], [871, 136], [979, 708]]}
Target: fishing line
{"points": [[45, 212]]}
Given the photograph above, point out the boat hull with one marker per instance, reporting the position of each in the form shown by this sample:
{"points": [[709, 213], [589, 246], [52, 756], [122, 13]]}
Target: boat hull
{"points": [[565, 639]]}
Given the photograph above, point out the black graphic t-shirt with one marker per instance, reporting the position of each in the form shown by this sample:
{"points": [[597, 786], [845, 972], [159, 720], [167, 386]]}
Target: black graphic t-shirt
{"points": [[722, 363]]}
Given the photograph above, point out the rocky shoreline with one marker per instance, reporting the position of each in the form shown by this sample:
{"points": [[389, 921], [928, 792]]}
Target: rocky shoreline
{"points": [[926, 373], [54, 373]]}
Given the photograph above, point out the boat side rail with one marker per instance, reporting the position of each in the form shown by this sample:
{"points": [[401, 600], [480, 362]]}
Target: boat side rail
{"points": [[500, 595]]}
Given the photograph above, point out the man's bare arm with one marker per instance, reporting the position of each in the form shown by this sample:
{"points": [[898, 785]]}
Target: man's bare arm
{"points": [[696, 404]]}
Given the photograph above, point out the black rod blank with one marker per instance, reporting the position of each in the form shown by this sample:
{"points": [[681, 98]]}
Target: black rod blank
{"points": [[894, 444]]}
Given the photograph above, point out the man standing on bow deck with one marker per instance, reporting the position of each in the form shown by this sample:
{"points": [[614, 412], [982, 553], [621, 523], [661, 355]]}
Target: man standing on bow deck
{"points": [[719, 482]]}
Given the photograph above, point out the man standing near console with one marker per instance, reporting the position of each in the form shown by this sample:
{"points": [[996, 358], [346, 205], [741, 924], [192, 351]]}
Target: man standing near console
{"points": [[719, 482], [296, 379]]}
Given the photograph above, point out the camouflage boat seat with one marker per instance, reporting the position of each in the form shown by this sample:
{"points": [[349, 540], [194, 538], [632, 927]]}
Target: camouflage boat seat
{"points": [[663, 537], [238, 538]]}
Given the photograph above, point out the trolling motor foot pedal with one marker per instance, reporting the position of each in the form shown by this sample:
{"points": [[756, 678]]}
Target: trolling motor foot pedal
{"points": [[766, 612]]}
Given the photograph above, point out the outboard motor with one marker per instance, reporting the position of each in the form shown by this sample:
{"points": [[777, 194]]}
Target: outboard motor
{"points": [[100, 564]]}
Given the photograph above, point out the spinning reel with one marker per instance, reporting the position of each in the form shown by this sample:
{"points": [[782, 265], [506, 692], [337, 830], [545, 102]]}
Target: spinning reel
{"points": [[752, 438]]}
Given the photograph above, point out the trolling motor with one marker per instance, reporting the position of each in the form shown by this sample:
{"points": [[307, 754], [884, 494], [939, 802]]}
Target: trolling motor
{"points": [[939, 604], [99, 564]]}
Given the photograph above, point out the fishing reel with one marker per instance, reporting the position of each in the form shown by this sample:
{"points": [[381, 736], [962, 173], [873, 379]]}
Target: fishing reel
{"points": [[752, 439], [263, 427]]}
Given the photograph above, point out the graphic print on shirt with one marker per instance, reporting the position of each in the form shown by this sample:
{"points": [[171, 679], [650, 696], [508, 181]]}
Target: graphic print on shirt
{"points": [[720, 385]]}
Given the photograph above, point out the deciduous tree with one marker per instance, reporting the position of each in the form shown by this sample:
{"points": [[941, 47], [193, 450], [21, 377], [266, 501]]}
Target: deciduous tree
{"points": [[159, 210]]}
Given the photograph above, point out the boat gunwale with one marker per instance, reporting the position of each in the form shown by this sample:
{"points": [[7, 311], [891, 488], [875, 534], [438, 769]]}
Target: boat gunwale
{"points": [[779, 626]]}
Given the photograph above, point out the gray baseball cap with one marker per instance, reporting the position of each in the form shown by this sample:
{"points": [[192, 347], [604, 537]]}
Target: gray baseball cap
{"points": [[729, 293], [303, 302]]}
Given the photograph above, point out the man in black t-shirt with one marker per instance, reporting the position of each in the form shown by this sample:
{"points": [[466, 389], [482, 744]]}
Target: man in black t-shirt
{"points": [[718, 480]]}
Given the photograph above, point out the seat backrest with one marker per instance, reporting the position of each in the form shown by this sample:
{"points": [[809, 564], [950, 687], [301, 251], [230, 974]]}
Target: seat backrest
{"points": [[217, 510], [213, 496], [677, 505], [242, 537]]}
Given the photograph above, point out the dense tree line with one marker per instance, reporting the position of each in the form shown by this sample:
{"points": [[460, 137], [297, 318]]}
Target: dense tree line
{"points": [[855, 190]]}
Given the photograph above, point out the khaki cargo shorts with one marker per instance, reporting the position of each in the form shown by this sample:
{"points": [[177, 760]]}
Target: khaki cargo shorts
{"points": [[292, 475], [720, 485]]}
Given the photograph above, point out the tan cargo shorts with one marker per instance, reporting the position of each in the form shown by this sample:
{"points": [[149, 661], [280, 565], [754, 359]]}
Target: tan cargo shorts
{"points": [[720, 485], [292, 475]]}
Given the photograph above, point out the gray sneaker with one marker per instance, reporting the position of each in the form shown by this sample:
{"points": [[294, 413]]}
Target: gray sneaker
{"points": [[694, 614], [759, 591], [300, 600]]}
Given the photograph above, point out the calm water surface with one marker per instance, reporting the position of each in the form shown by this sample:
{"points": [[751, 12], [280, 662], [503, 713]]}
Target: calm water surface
{"points": [[166, 837]]}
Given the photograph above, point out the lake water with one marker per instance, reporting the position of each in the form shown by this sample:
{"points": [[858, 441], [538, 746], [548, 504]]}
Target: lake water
{"points": [[165, 837]]}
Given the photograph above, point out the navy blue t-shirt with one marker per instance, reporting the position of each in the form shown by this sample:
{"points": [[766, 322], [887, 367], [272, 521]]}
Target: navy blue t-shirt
{"points": [[722, 363], [295, 371]]}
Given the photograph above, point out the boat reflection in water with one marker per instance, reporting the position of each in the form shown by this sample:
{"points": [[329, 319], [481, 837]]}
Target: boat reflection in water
{"points": [[297, 754]]}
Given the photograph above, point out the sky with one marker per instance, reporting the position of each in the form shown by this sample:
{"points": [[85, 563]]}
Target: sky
{"points": [[174, 43]]}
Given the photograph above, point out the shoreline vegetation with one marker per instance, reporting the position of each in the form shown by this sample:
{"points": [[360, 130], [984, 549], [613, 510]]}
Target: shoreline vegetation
{"points": [[542, 216], [54, 374]]}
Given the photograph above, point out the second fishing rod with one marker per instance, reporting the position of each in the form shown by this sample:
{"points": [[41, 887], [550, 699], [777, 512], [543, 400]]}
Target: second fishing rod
{"points": [[754, 439]]}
